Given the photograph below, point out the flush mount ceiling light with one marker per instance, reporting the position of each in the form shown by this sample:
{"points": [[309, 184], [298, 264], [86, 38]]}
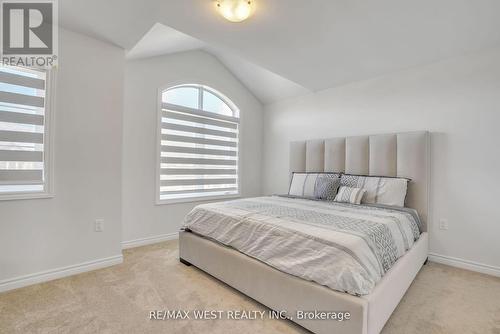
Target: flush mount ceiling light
{"points": [[235, 10]]}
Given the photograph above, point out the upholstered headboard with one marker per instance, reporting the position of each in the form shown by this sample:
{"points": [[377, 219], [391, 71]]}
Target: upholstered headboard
{"points": [[400, 154]]}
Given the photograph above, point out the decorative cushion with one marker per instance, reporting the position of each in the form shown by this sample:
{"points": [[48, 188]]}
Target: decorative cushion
{"points": [[379, 190], [350, 195], [304, 184], [326, 187]]}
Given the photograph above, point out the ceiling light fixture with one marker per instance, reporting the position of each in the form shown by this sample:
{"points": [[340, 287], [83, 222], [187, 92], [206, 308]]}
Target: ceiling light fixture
{"points": [[235, 10]]}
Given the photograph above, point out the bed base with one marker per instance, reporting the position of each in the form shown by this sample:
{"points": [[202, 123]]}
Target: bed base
{"points": [[283, 292], [185, 262]]}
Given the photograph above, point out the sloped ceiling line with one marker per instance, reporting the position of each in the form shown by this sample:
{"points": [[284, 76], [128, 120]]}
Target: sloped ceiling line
{"points": [[265, 85]]}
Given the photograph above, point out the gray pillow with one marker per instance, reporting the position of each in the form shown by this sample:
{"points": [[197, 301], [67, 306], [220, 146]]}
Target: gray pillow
{"points": [[326, 187]]}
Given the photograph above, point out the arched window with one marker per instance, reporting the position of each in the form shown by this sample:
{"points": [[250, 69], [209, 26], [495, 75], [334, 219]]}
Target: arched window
{"points": [[198, 149]]}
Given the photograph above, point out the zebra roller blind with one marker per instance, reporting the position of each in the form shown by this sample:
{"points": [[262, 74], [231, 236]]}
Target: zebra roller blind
{"points": [[22, 130], [199, 144]]}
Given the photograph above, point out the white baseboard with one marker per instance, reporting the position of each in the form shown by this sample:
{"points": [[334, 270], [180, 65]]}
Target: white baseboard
{"points": [[465, 264], [149, 240], [49, 275]]}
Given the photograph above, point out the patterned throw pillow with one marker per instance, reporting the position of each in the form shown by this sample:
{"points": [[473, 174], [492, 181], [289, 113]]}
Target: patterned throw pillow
{"points": [[379, 190], [350, 195], [326, 187]]}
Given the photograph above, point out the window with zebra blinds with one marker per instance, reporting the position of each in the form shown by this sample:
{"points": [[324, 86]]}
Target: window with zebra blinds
{"points": [[198, 145]]}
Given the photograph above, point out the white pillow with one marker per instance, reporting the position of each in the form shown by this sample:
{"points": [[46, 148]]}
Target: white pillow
{"points": [[303, 184], [379, 190], [297, 185], [350, 195]]}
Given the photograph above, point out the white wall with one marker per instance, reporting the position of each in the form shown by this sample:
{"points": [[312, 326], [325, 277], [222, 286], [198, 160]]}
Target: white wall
{"points": [[45, 234], [141, 217], [458, 100]]}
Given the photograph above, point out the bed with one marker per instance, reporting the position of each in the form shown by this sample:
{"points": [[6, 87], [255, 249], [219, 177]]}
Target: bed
{"points": [[370, 289]]}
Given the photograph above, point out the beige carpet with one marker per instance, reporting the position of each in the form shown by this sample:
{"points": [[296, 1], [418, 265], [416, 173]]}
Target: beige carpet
{"points": [[118, 300]]}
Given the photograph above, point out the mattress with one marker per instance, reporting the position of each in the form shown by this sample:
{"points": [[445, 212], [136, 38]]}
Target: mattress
{"points": [[345, 247]]}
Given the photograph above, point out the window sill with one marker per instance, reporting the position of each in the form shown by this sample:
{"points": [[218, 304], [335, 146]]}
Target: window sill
{"points": [[25, 196], [196, 199]]}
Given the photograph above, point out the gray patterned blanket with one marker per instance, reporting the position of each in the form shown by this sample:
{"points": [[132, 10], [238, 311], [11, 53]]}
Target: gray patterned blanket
{"points": [[345, 247]]}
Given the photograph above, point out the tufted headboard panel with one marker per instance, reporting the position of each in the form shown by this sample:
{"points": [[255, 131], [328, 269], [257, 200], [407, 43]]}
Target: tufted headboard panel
{"points": [[399, 154]]}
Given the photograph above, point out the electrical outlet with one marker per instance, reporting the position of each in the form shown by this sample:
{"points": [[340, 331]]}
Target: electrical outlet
{"points": [[99, 225], [443, 224]]}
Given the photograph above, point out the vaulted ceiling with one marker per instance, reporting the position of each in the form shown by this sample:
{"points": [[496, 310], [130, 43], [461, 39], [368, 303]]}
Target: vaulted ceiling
{"points": [[265, 85], [296, 46]]}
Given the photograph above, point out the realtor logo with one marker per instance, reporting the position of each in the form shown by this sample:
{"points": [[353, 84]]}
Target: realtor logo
{"points": [[29, 28]]}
